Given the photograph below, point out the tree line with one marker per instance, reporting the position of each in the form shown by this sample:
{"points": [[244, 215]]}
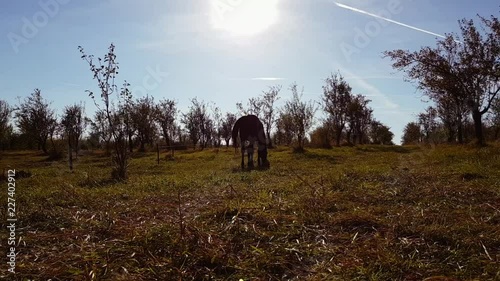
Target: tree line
{"points": [[123, 123], [142, 122]]}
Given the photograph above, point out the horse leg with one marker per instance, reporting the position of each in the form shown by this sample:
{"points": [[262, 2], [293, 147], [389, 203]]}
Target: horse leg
{"points": [[250, 156], [259, 158], [242, 156], [262, 155]]}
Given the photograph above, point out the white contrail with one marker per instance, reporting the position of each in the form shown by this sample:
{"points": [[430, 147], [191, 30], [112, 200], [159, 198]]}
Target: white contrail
{"points": [[379, 97], [389, 20]]}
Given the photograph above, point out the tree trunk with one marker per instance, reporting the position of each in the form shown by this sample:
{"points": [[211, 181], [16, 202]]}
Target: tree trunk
{"points": [[301, 140], [70, 154], [478, 127], [43, 145], [107, 146], [130, 144], [166, 136], [360, 137], [53, 144], [338, 135], [451, 133], [270, 142], [77, 147], [120, 158], [460, 130]]}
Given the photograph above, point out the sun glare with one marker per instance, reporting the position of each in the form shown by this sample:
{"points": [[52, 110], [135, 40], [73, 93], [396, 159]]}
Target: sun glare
{"points": [[244, 17]]}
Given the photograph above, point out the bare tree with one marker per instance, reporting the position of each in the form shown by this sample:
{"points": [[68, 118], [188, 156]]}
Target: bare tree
{"points": [[126, 111], [5, 126], [198, 124], [217, 125], [166, 112], [452, 111], [55, 132], [254, 107], [495, 119], [241, 108], [100, 128], [105, 72], [321, 136], [207, 130], [359, 116], [301, 114], [143, 113], [428, 121], [73, 124], [268, 100], [36, 120], [336, 100], [284, 128], [192, 127], [227, 127]]}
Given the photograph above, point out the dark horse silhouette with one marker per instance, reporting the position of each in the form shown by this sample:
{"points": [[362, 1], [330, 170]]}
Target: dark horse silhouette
{"points": [[251, 130]]}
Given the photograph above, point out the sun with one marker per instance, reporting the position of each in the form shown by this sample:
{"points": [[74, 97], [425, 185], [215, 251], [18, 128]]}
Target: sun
{"points": [[244, 17]]}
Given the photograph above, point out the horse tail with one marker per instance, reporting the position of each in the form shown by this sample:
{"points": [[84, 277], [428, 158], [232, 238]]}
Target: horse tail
{"points": [[236, 129]]}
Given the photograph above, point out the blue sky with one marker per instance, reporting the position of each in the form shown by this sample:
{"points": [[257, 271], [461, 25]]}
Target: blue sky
{"points": [[181, 49]]}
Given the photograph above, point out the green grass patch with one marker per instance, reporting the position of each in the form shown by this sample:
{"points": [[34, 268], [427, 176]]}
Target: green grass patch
{"points": [[350, 213]]}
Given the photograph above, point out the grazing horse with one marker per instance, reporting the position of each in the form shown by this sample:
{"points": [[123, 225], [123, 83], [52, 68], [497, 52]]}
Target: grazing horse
{"points": [[251, 130]]}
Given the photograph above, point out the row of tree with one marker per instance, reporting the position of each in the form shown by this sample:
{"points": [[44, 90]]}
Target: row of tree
{"points": [[145, 122], [348, 119], [37, 124], [122, 123], [432, 126]]}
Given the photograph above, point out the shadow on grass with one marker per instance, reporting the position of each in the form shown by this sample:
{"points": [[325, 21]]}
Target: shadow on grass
{"points": [[312, 155], [96, 153], [387, 148], [248, 170], [23, 153], [143, 154], [98, 183]]}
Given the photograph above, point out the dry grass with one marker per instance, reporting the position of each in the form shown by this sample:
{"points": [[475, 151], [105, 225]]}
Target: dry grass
{"points": [[361, 213]]}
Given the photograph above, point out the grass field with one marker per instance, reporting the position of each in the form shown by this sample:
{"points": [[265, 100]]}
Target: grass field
{"points": [[358, 213]]}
